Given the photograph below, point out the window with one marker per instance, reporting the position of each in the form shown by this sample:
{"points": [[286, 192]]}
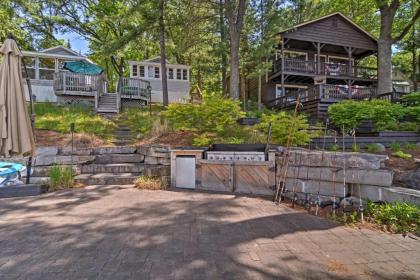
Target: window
{"points": [[170, 73], [142, 71], [296, 55], [178, 74], [150, 71], [185, 74], [134, 70], [157, 72]]}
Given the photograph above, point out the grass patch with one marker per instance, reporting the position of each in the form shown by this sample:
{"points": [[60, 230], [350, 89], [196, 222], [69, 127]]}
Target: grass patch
{"points": [[373, 148], [140, 121], [150, 183], [57, 118], [60, 177]]}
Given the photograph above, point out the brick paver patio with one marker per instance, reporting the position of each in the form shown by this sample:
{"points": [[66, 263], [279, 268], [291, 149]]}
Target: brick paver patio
{"points": [[123, 233]]}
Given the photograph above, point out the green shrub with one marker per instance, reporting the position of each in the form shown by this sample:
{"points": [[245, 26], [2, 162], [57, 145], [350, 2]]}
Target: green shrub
{"points": [[202, 140], [412, 98], [402, 154], [399, 217], [350, 113], [395, 146], [355, 148], [285, 124], [411, 146], [334, 147], [60, 177], [413, 113], [215, 114], [373, 148], [139, 120]]}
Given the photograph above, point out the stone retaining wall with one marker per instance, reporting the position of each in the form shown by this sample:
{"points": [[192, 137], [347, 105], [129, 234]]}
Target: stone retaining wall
{"points": [[100, 159], [323, 172]]}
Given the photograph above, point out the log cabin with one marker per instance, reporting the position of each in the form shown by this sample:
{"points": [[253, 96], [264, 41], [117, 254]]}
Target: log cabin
{"points": [[319, 60]]}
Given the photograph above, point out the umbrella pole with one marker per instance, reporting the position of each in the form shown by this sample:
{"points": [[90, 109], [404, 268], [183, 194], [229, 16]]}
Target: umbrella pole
{"points": [[32, 117]]}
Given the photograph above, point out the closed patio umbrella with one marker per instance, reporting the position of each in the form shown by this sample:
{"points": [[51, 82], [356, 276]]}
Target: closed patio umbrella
{"points": [[16, 136]]}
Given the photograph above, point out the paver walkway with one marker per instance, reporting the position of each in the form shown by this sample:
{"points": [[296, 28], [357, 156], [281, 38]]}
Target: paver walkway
{"points": [[123, 233]]}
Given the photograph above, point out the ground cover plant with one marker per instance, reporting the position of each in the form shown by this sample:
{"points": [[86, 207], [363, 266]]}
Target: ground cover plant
{"points": [[60, 177], [150, 183], [58, 118], [398, 217]]}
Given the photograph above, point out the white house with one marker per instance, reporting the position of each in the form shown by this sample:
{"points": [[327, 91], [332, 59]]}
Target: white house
{"points": [[41, 67], [178, 78]]}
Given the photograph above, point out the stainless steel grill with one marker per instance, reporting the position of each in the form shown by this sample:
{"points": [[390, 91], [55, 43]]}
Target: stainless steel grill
{"points": [[235, 156]]}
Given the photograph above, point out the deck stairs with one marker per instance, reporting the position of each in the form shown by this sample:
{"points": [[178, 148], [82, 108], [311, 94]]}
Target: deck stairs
{"points": [[108, 103]]}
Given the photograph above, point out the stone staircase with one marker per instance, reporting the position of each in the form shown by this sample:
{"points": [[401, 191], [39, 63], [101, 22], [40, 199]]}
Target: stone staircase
{"points": [[108, 103], [120, 165], [122, 136]]}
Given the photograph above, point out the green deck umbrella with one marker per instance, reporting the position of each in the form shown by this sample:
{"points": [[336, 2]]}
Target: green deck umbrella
{"points": [[83, 67]]}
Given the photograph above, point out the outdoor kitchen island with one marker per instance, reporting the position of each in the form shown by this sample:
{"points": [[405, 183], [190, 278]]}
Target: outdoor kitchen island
{"points": [[244, 168]]}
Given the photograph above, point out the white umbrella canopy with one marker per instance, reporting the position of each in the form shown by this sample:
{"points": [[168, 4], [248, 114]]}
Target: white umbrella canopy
{"points": [[16, 137]]}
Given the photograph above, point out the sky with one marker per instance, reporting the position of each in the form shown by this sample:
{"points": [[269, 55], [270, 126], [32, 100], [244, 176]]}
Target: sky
{"points": [[77, 42]]}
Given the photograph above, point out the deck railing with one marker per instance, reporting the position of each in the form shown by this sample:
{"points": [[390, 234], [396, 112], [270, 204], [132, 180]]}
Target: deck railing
{"points": [[132, 88], [326, 92], [73, 83], [326, 68]]}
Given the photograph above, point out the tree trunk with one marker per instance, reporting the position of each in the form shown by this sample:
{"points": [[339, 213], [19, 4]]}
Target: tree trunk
{"points": [[243, 92], [259, 92], [163, 53], [385, 52], [235, 23], [223, 43], [234, 66]]}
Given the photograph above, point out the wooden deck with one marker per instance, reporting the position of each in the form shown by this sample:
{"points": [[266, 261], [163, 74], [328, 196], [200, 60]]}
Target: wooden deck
{"points": [[328, 69]]}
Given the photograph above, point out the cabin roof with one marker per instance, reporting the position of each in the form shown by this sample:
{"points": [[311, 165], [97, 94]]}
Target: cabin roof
{"points": [[61, 50], [335, 31], [328, 16]]}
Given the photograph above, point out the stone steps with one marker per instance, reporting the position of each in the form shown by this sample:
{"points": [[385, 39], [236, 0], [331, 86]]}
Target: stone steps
{"points": [[119, 158], [107, 178], [112, 168]]}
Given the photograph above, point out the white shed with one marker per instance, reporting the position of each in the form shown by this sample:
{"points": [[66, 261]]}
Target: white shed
{"points": [[178, 78]]}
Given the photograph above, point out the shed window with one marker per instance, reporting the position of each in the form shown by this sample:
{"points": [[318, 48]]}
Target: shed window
{"points": [[150, 72], [178, 74], [142, 71], [134, 70], [157, 73], [185, 74], [170, 73]]}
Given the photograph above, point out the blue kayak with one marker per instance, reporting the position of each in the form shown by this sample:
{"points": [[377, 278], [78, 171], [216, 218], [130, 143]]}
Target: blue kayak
{"points": [[10, 172]]}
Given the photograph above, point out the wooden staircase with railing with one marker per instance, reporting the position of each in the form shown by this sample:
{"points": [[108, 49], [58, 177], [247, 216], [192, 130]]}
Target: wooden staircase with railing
{"points": [[108, 103]]}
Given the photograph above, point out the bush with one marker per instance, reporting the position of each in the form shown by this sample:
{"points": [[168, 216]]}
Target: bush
{"points": [[397, 217], [355, 148], [413, 113], [284, 124], [351, 113], [150, 183], [373, 148], [402, 154], [215, 114], [60, 177], [203, 140], [412, 98], [395, 146]]}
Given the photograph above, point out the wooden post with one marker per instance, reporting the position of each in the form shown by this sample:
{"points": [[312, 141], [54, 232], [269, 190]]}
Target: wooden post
{"points": [[36, 68], [64, 82], [318, 59], [282, 68], [350, 66]]}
